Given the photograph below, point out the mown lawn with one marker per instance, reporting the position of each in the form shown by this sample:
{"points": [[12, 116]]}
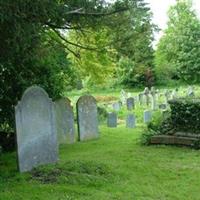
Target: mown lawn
{"points": [[115, 167]]}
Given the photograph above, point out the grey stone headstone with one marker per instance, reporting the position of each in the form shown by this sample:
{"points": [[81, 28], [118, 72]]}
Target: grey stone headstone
{"points": [[130, 121], [36, 131], [147, 116], [87, 118], [123, 96], [79, 84], [140, 98], [167, 96], [130, 103], [147, 97], [163, 106], [116, 106], [190, 91], [112, 120], [65, 121], [153, 102]]}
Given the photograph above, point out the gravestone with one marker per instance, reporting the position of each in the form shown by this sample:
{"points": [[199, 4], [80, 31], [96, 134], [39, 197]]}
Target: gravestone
{"points": [[65, 121], [130, 103], [36, 131], [116, 106], [123, 96], [87, 118], [130, 121], [140, 98], [147, 98], [174, 94], [129, 95], [79, 84], [157, 95], [147, 116], [163, 106], [153, 98], [167, 96], [190, 91], [112, 120]]}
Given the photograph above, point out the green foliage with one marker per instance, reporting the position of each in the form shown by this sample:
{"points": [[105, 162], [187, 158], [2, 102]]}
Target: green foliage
{"points": [[177, 55], [94, 62], [131, 74], [185, 115], [30, 54], [132, 39]]}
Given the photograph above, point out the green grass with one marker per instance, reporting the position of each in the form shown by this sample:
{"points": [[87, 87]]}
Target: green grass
{"points": [[114, 167]]}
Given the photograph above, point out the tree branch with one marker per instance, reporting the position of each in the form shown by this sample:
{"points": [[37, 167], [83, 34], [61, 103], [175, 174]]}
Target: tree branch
{"points": [[72, 43]]}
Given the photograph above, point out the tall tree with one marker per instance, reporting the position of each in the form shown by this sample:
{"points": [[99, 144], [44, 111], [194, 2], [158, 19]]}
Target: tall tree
{"points": [[25, 27], [178, 51], [132, 39]]}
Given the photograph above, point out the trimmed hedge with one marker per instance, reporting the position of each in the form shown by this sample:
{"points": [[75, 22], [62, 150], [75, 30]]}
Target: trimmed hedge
{"points": [[185, 115]]}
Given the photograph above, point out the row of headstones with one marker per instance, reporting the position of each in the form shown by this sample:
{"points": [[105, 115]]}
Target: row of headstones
{"points": [[40, 123], [130, 119], [130, 104], [149, 97]]}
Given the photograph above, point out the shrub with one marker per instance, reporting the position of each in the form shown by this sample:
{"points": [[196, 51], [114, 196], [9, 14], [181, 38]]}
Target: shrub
{"points": [[185, 114]]}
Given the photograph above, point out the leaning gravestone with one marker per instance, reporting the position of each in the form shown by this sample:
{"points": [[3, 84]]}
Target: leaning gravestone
{"points": [[65, 121], [112, 120], [87, 118], [130, 121], [147, 116], [36, 131], [130, 103]]}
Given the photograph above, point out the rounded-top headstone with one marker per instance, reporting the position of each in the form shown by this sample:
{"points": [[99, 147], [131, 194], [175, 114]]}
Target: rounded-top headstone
{"points": [[65, 121], [87, 118], [36, 132]]}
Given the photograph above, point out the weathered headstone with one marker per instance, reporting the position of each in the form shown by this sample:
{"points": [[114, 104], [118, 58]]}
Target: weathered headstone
{"points": [[147, 98], [112, 120], [123, 96], [153, 98], [87, 118], [157, 95], [163, 106], [140, 98], [116, 106], [79, 84], [147, 116], [130, 121], [190, 91], [65, 121], [130, 103], [129, 95], [174, 94], [36, 131], [167, 96]]}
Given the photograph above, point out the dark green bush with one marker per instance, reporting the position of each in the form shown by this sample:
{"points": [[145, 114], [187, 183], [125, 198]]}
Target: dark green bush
{"points": [[185, 115]]}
